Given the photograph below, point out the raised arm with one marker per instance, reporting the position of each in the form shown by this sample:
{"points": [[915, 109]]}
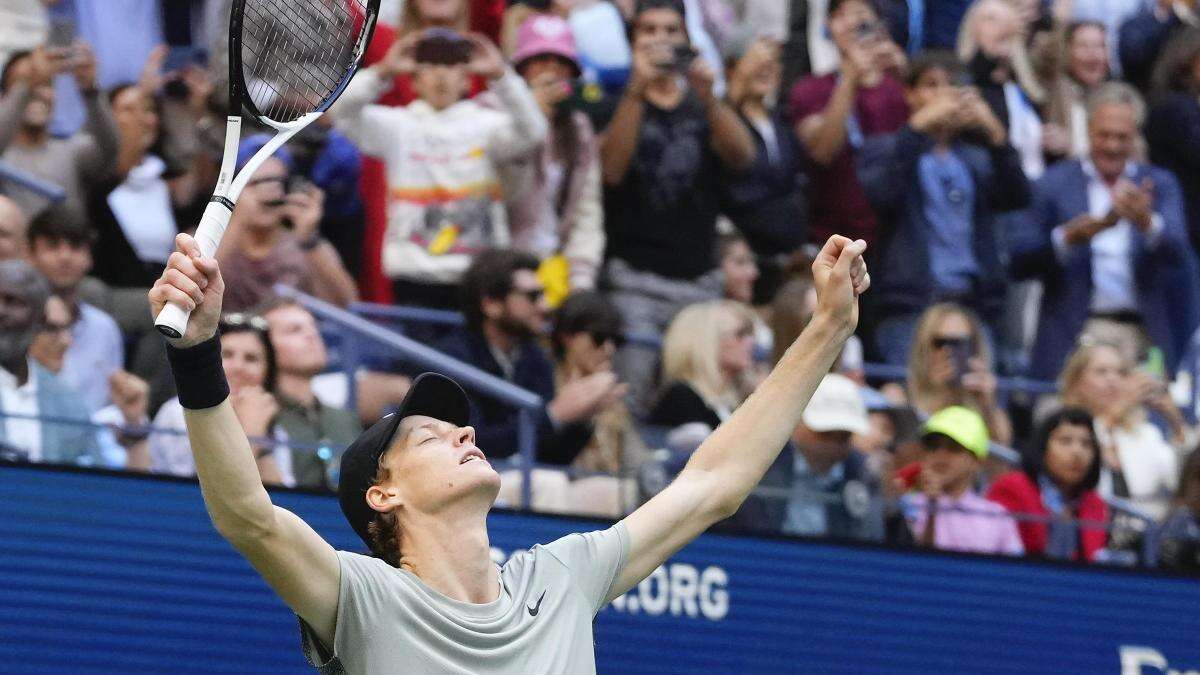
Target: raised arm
{"points": [[293, 559], [727, 466]]}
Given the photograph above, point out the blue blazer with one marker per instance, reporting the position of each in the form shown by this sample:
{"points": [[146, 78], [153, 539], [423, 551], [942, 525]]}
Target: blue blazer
{"points": [[62, 443], [1168, 290]]}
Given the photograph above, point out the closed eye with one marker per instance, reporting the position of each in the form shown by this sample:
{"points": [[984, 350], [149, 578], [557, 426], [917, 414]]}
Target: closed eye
{"points": [[427, 439]]}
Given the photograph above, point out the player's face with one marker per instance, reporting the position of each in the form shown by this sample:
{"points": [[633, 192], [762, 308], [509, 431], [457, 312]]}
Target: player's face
{"points": [[434, 465]]}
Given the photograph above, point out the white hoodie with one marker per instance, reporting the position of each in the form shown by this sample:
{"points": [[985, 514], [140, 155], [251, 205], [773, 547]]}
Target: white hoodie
{"points": [[444, 197]]}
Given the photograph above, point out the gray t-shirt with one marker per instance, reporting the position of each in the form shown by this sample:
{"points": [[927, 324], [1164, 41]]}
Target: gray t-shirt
{"points": [[389, 621]]}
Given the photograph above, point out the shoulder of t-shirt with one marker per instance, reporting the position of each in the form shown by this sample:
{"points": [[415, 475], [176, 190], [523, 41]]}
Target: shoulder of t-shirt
{"points": [[364, 565], [564, 549]]}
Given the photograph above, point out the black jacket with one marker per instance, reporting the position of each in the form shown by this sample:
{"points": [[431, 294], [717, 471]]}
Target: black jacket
{"points": [[496, 422]]}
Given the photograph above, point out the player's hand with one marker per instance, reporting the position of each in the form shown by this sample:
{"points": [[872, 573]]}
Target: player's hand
{"points": [[194, 283], [840, 276]]}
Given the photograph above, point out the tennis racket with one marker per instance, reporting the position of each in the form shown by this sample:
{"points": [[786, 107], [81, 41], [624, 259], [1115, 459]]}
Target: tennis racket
{"points": [[289, 60]]}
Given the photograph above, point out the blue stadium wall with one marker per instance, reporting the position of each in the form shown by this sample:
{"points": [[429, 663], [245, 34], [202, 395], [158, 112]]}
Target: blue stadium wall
{"points": [[118, 573]]}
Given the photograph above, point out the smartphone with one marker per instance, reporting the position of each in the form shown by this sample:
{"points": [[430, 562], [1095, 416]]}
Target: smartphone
{"points": [[683, 55], [962, 80], [866, 31], [442, 46], [62, 32], [960, 356]]}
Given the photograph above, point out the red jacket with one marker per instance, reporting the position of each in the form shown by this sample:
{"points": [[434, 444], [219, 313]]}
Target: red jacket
{"points": [[1019, 494]]}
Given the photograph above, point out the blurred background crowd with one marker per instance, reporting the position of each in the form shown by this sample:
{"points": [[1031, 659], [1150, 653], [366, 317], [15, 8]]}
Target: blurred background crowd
{"points": [[613, 205]]}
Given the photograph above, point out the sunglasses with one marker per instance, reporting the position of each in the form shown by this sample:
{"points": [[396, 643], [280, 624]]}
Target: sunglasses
{"points": [[246, 320], [943, 342], [600, 337]]}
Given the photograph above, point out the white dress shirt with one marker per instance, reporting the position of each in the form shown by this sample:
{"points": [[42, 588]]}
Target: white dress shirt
{"points": [[23, 433], [1113, 286]]}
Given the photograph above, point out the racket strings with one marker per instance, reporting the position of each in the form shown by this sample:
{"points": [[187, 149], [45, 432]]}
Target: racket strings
{"points": [[297, 53]]}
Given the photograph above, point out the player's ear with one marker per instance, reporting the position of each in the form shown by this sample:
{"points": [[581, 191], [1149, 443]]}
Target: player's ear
{"points": [[384, 498]]}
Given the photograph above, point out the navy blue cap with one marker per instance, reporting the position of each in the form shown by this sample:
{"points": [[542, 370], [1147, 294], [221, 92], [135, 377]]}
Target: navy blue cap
{"points": [[432, 395]]}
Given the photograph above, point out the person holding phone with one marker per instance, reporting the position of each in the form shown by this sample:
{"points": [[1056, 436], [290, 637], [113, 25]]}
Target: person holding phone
{"points": [[950, 364], [554, 198], [661, 157], [948, 176], [838, 116], [27, 99], [273, 237], [443, 154]]}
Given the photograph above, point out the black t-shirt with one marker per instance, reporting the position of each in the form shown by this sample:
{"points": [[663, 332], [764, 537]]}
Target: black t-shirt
{"points": [[679, 404], [661, 218]]}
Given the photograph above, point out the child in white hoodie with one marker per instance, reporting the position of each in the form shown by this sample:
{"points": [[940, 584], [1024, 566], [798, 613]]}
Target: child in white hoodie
{"points": [[441, 153]]}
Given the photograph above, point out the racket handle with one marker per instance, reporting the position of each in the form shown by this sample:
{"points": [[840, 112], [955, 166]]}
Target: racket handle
{"points": [[172, 320]]}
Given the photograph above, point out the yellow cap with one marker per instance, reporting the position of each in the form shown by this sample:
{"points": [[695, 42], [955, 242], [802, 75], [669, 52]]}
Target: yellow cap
{"points": [[962, 425]]}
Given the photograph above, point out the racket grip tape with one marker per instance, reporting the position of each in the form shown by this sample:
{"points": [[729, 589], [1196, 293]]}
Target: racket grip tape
{"points": [[172, 320]]}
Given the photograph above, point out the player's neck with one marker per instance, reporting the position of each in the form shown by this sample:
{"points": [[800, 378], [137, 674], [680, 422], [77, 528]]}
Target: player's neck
{"points": [[451, 554]]}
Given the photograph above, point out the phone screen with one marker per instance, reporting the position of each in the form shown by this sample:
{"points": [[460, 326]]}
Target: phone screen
{"points": [[62, 32]]}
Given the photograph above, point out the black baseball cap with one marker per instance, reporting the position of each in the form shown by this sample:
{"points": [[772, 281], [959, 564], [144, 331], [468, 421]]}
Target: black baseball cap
{"points": [[432, 395]]}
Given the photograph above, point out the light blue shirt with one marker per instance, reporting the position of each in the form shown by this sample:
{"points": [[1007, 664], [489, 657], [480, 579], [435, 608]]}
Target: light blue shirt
{"points": [[97, 351], [949, 207], [810, 495]]}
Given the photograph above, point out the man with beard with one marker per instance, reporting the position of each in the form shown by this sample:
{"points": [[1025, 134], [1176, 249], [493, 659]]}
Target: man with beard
{"points": [[29, 391], [316, 430], [506, 313], [26, 106]]}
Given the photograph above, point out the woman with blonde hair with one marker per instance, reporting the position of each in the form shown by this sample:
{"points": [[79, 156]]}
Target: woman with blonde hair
{"points": [[950, 364], [707, 352], [1139, 462], [991, 44]]}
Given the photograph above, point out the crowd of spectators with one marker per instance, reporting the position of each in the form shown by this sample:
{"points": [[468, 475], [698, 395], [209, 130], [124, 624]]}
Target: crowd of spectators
{"points": [[621, 199]]}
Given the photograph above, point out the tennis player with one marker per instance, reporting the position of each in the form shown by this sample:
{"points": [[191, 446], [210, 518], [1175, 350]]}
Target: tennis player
{"points": [[418, 491]]}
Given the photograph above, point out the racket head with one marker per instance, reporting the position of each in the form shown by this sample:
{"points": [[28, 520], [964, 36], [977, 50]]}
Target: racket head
{"points": [[290, 58]]}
